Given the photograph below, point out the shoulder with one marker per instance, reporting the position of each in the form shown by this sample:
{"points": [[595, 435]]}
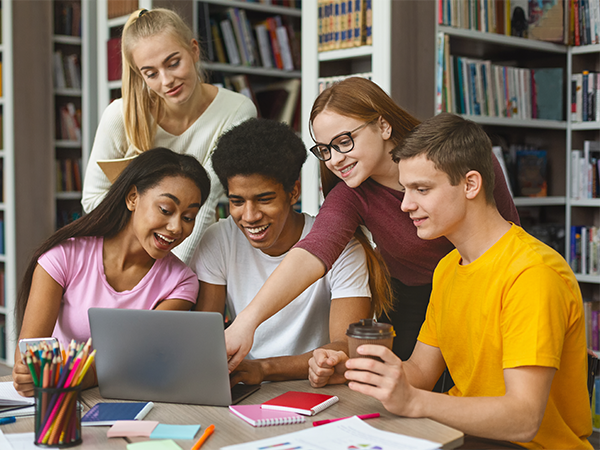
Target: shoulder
{"points": [[236, 104], [171, 266], [113, 115]]}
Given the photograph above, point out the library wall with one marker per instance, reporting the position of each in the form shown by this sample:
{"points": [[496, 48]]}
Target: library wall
{"points": [[33, 127]]}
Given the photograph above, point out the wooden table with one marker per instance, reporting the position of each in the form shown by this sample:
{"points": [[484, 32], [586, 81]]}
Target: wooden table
{"points": [[230, 429]]}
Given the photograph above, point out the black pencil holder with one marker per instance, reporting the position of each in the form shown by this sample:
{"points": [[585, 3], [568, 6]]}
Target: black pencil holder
{"points": [[57, 417]]}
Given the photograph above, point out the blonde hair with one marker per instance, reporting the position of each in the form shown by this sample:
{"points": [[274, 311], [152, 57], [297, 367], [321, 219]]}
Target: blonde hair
{"points": [[362, 99], [141, 106]]}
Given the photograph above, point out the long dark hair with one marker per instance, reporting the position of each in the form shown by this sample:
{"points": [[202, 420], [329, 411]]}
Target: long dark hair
{"points": [[111, 215]]}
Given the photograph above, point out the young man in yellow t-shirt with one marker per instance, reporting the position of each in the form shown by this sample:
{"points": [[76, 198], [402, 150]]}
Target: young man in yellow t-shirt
{"points": [[505, 316]]}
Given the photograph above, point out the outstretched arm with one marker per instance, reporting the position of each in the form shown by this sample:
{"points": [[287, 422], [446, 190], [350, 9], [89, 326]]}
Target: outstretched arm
{"points": [[515, 416], [298, 270], [343, 312]]}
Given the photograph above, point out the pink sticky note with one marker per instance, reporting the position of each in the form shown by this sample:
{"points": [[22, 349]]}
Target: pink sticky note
{"points": [[132, 428]]}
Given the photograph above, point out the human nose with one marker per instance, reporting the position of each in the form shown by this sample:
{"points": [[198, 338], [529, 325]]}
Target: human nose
{"points": [[407, 203], [336, 157], [175, 226], [250, 213], [167, 78]]}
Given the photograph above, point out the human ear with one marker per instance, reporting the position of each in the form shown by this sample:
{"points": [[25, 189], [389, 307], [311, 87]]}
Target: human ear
{"points": [[295, 194], [132, 198], [195, 50], [385, 127], [473, 184]]}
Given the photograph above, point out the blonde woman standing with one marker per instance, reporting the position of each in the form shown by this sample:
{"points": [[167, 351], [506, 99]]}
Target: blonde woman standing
{"points": [[165, 103]]}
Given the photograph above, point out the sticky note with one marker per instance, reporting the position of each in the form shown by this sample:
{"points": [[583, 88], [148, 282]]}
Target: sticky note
{"points": [[132, 428], [167, 444], [165, 431]]}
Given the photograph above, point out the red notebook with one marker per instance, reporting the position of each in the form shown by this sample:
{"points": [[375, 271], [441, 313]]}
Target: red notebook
{"points": [[306, 403]]}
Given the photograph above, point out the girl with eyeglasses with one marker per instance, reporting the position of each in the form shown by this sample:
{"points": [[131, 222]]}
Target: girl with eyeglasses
{"points": [[355, 125], [166, 103]]}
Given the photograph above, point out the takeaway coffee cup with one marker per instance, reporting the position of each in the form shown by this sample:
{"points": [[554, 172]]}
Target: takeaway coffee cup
{"points": [[368, 331]]}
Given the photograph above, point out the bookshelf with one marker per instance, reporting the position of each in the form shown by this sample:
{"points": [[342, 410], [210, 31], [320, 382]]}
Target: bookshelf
{"points": [[75, 116], [375, 59], [253, 48]]}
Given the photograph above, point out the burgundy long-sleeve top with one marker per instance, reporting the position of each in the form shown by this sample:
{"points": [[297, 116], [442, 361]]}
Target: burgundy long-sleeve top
{"points": [[409, 258]]}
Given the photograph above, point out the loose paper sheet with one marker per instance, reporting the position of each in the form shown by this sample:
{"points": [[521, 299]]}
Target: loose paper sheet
{"points": [[340, 435]]}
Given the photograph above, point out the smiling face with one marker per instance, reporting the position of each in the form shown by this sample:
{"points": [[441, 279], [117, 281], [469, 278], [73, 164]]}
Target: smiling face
{"points": [[434, 205], [163, 216], [167, 67], [370, 155], [262, 209]]}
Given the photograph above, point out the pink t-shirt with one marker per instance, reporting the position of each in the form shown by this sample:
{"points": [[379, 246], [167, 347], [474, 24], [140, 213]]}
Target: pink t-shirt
{"points": [[76, 264]]}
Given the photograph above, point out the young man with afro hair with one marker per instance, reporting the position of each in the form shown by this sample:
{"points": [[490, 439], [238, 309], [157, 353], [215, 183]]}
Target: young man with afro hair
{"points": [[259, 162]]}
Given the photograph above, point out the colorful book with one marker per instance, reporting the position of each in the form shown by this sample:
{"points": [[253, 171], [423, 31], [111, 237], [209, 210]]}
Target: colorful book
{"points": [[306, 403], [259, 417], [105, 413]]}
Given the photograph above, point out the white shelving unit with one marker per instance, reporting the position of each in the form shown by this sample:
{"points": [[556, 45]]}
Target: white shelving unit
{"points": [[104, 27], [375, 58], [8, 260], [84, 98]]}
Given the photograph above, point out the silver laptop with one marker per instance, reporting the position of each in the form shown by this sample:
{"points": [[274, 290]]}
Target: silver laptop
{"points": [[165, 356]]}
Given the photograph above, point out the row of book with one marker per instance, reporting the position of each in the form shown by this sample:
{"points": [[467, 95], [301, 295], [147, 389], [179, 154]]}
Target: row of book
{"points": [[596, 405], [525, 168], [2, 236], [344, 24], [536, 19], [118, 8], [2, 288], [480, 88], [571, 22], [68, 175], [67, 18], [2, 337], [591, 310], [230, 37], [584, 256], [326, 82], [585, 97], [278, 100], [585, 171], [67, 70], [69, 123]]}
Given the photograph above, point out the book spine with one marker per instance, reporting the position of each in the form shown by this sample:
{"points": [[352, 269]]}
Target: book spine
{"points": [[326, 404], [280, 421]]}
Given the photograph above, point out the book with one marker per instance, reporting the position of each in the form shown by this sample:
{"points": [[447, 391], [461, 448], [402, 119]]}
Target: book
{"points": [[107, 413], [531, 173], [306, 403], [114, 60], [546, 20], [112, 168], [259, 417], [9, 397]]}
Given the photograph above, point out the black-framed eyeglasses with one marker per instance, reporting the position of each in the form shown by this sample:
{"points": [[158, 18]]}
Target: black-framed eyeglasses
{"points": [[342, 143]]}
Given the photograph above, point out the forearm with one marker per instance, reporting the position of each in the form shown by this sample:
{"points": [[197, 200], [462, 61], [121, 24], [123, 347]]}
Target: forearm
{"points": [[298, 270], [500, 418], [293, 367]]}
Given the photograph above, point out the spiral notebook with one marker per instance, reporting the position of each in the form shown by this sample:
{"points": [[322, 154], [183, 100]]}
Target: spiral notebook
{"points": [[258, 417], [307, 403]]}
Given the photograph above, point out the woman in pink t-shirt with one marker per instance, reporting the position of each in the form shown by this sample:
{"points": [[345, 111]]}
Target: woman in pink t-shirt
{"points": [[117, 256]]}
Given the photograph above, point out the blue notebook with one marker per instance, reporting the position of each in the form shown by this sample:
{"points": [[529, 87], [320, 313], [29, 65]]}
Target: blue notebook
{"points": [[108, 413]]}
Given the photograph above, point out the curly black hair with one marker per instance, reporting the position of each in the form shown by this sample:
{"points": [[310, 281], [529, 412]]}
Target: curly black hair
{"points": [[260, 146]]}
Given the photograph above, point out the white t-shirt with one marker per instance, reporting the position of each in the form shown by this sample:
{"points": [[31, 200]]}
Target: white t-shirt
{"points": [[225, 257], [226, 110]]}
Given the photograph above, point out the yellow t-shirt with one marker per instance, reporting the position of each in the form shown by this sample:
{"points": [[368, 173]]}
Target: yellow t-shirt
{"points": [[518, 304]]}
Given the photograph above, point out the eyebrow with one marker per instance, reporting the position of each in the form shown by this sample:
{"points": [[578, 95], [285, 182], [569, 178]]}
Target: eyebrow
{"points": [[164, 61], [178, 202], [261, 195]]}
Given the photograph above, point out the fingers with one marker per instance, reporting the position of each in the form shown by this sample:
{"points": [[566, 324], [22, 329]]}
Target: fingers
{"points": [[22, 380], [238, 345]]}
